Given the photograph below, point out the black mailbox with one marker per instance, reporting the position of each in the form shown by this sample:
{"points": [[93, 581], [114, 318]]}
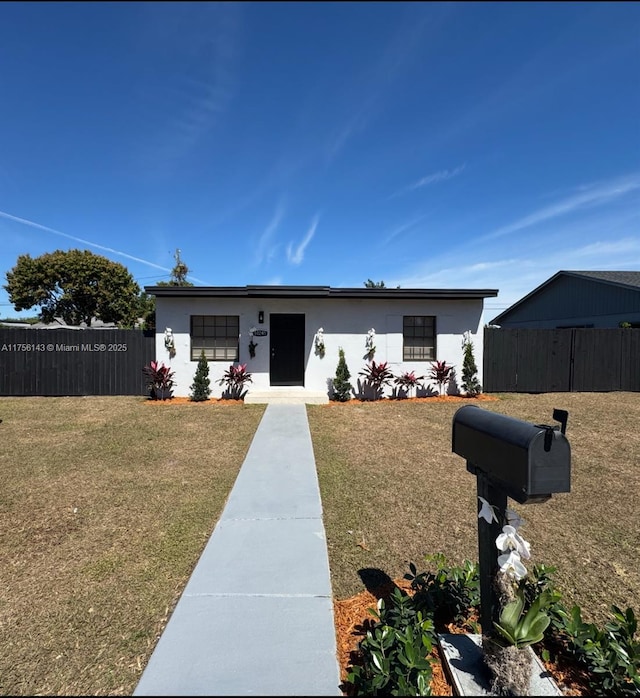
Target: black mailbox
{"points": [[529, 462]]}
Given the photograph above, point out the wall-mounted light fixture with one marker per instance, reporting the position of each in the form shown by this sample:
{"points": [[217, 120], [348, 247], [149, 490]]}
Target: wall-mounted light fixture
{"points": [[261, 316]]}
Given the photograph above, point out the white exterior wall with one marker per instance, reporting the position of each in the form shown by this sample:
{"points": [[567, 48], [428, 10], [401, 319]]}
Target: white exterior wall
{"points": [[345, 323]]}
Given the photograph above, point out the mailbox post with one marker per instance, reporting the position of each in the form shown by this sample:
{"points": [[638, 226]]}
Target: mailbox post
{"points": [[487, 555], [510, 458]]}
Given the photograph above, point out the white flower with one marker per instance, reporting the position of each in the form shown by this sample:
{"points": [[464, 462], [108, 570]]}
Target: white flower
{"points": [[252, 331], [511, 564], [510, 539], [487, 511], [514, 519], [369, 342]]}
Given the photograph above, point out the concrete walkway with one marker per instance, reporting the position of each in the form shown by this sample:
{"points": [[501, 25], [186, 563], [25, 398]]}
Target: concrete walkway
{"points": [[256, 617]]}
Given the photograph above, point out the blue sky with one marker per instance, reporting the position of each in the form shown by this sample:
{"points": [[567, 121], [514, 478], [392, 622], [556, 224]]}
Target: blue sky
{"points": [[432, 145]]}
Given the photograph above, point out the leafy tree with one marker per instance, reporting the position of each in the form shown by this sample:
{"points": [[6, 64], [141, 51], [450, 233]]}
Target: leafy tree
{"points": [[76, 285], [148, 303], [178, 273], [341, 384], [470, 383], [200, 389], [376, 284], [147, 311]]}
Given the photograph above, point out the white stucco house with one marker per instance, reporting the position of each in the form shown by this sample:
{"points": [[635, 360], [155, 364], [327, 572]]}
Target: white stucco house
{"points": [[410, 328]]}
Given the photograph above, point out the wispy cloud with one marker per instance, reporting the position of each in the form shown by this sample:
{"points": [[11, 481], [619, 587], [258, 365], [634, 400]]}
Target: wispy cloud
{"points": [[546, 73], [295, 255], [202, 83], [265, 250], [601, 250], [474, 273], [439, 176], [367, 96], [340, 136], [119, 253], [516, 276], [592, 196], [403, 228]]}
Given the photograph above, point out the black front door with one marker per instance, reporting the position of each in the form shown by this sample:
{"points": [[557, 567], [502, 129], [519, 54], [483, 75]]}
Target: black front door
{"points": [[286, 366]]}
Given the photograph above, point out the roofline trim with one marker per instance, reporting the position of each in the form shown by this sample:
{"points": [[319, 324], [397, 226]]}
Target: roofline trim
{"points": [[317, 292]]}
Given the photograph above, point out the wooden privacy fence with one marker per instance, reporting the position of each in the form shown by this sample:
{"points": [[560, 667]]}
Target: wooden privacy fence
{"points": [[74, 361], [571, 360], [109, 362]]}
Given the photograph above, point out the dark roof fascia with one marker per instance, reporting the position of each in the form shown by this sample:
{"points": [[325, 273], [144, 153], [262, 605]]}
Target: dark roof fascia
{"points": [[417, 293], [317, 292], [577, 274]]}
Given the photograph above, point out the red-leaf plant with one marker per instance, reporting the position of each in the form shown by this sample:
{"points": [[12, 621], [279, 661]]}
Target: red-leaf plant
{"points": [[235, 378], [409, 381], [377, 376], [160, 380], [441, 374]]}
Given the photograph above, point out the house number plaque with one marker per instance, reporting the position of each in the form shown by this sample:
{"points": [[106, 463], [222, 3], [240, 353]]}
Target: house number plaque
{"points": [[260, 333]]}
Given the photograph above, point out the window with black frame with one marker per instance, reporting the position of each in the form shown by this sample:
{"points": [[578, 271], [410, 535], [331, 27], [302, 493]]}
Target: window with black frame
{"points": [[216, 335], [418, 338]]}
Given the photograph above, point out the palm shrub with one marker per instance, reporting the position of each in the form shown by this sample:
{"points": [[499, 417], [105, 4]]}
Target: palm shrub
{"points": [[341, 384], [160, 380], [470, 383], [235, 378], [200, 389], [409, 381], [441, 374], [376, 376]]}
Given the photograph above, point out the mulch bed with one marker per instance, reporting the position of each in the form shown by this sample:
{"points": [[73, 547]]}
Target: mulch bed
{"points": [[189, 401], [353, 619], [433, 398], [332, 403]]}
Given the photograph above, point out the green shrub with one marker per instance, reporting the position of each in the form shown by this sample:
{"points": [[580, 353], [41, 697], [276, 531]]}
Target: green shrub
{"points": [[341, 385], [611, 655], [396, 651], [470, 383], [449, 593], [394, 654], [200, 389]]}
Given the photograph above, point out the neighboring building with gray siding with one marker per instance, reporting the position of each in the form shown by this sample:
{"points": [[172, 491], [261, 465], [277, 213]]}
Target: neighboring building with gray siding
{"points": [[578, 299]]}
